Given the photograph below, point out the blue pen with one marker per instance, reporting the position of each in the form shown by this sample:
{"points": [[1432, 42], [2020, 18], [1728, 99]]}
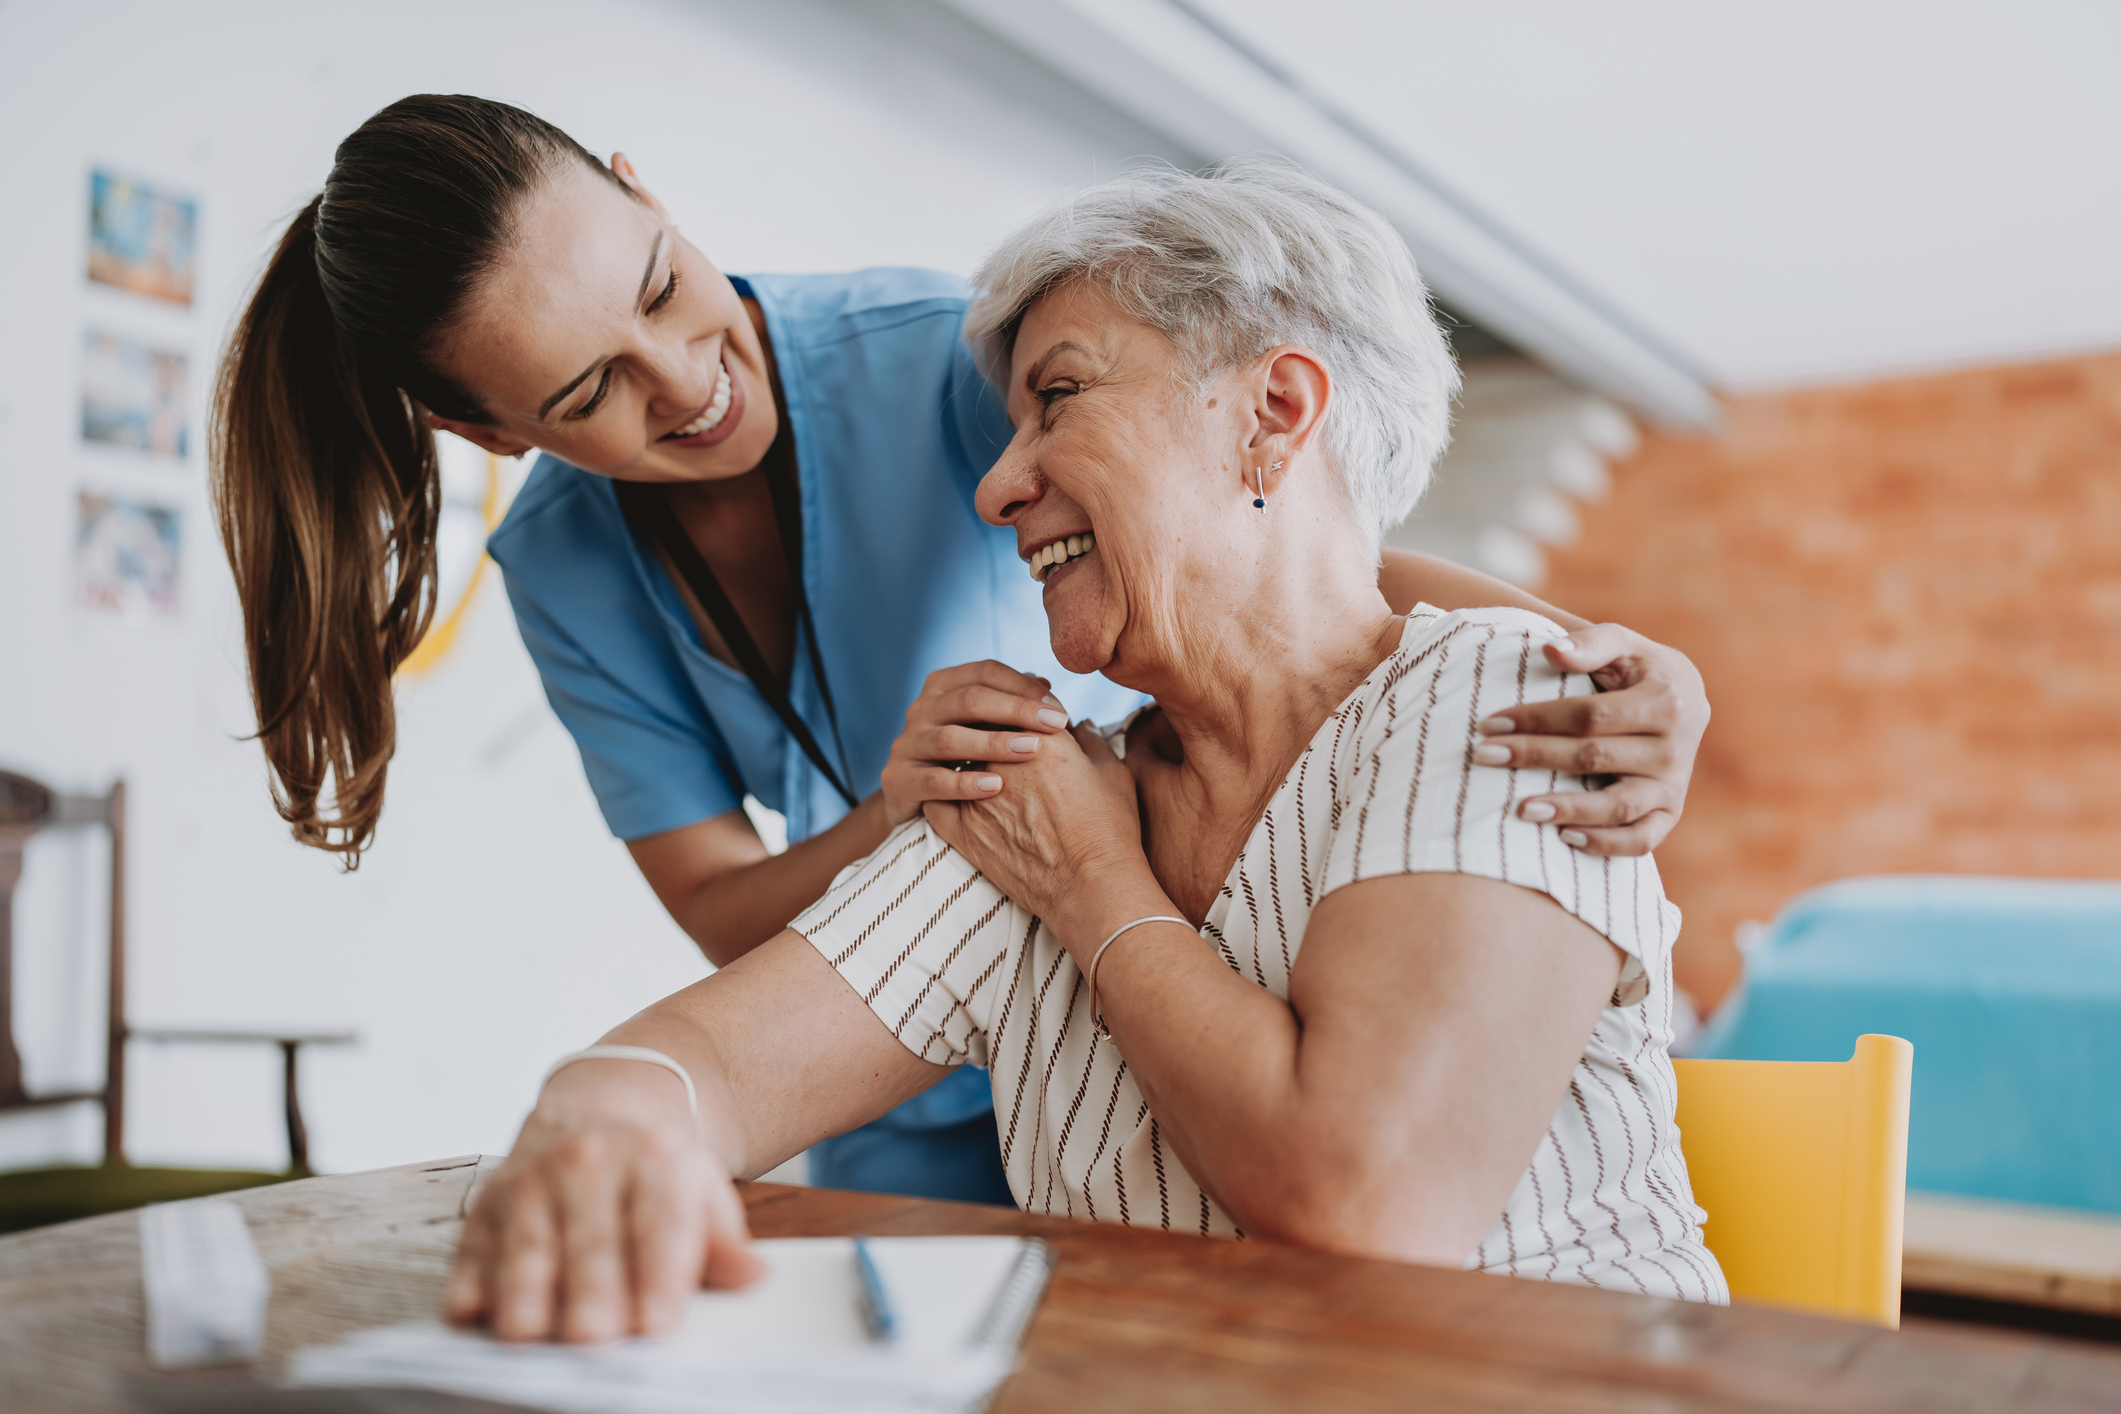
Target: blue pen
{"points": [[877, 1315]]}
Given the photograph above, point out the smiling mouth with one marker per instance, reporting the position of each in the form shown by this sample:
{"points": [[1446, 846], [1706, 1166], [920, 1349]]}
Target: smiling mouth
{"points": [[1044, 562], [717, 409]]}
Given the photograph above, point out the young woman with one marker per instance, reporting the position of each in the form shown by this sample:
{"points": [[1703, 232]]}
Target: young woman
{"points": [[751, 542]]}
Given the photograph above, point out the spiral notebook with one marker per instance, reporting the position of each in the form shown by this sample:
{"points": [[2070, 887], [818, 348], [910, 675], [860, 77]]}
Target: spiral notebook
{"points": [[794, 1342]]}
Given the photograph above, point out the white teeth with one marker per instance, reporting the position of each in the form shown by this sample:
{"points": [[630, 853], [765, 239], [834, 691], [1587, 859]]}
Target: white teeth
{"points": [[1044, 561], [712, 418]]}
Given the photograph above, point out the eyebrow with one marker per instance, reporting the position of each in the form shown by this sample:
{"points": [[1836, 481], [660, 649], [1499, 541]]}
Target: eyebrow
{"points": [[655, 248], [1031, 374]]}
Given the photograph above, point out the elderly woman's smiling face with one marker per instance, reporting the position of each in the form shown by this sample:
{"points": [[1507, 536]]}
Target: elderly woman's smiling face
{"points": [[1122, 482]]}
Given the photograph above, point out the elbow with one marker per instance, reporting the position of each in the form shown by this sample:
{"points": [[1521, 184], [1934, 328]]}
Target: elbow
{"points": [[715, 945], [1355, 1205], [1325, 1216]]}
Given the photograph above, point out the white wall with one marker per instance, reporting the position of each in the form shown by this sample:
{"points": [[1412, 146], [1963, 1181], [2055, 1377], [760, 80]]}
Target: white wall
{"points": [[495, 924], [1791, 192]]}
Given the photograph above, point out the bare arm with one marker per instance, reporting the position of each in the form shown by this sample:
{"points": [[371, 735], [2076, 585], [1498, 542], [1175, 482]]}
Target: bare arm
{"points": [[1409, 1059], [1643, 730], [730, 895], [1408, 577], [615, 1204]]}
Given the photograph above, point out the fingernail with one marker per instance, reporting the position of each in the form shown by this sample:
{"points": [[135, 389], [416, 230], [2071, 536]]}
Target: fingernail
{"points": [[1575, 839], [1488, 754], [1048, 717], [1537, 811], [1023, 743], [1497, 726], [987, 783]]}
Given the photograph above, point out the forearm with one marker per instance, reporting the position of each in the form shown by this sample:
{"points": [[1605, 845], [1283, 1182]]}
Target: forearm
{"points": [[1218, 1059], [781, 1050], [1360, 1115], [743, 1120], [730, 912], [1407, 578], [588, 1092], [666, 1027], [615, 1204]]}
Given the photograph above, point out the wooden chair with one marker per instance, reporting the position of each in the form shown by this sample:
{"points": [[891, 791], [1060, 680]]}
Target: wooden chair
{"points": [[1802, 1166], [34, 1197]]}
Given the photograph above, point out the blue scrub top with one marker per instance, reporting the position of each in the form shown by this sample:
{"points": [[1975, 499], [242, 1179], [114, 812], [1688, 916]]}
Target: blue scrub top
{"points": [[894, 427]]}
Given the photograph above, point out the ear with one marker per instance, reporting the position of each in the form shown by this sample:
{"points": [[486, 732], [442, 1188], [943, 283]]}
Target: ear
{"points": [[480, 435], [1292, 398], [623, 170]]}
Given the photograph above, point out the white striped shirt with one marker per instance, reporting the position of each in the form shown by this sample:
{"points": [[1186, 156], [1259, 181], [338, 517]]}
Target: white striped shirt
{"points": [[962, 974]]}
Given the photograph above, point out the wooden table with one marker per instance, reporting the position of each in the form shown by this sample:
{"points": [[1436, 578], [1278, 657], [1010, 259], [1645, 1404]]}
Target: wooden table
{"points": [[1132, 1321]]}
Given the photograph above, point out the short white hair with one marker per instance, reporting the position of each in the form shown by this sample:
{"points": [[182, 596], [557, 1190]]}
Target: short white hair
{"points": [[1232, 262]]}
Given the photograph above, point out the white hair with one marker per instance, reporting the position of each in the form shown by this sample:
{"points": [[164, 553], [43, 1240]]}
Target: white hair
{"points": [[1233, 262]]}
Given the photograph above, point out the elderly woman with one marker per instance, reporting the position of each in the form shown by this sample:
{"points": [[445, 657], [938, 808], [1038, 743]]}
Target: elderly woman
{"points": [[1268, 957]]}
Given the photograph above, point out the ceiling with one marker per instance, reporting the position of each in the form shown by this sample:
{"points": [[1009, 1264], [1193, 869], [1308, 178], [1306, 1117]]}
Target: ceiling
{"points": [[1779, 194]]}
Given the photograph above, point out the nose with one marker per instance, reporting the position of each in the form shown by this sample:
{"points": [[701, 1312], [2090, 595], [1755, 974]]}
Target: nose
{"points": [[682, 373], [1011, 486]]}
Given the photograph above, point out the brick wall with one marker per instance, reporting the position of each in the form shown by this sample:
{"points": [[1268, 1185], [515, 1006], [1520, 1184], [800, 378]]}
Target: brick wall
{"points": [[1906, 598]]}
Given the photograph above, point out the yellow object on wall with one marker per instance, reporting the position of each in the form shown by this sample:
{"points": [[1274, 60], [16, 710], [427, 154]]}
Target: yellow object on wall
{"points": [[484, 512], [1802, 1166]]}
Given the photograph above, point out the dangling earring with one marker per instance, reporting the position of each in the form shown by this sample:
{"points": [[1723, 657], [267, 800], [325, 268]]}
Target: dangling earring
{"points": [[1259, 481]]}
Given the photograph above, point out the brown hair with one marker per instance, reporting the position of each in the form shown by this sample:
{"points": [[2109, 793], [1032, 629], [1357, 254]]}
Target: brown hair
{"points": [[322, 454]]}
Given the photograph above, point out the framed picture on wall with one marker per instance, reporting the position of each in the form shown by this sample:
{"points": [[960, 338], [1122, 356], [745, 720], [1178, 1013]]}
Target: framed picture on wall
{"points": [[127, 555], [140, 238], [134, 396]]}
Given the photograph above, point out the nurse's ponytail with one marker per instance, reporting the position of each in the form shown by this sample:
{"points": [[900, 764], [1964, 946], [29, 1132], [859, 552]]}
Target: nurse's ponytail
{"points": [[322, 455]]}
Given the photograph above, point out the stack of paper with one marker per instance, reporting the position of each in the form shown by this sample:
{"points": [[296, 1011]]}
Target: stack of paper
{"points": [[792, 1343]]}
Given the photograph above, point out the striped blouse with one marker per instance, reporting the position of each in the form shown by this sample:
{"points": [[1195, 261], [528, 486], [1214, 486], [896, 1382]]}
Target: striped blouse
{"points": [[963, 975]]}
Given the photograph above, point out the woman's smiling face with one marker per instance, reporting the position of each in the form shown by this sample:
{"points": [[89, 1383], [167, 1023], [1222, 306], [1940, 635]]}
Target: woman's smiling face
{"points": [[1118, 481], [607, 338]]}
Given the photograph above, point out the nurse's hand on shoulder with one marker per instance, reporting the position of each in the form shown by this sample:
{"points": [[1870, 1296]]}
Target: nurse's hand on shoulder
{"points": [[1638, 735], [610, 1212], [977, 713]]}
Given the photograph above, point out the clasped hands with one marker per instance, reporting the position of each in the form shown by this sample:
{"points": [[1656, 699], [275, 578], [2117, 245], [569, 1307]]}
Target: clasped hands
{"points": [[1066, 815], [1639, 735]]}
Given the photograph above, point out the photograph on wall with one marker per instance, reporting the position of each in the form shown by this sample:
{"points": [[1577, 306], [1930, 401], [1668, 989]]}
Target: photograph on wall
{"points": [[140, 239], [126, 555], [133, 396]]}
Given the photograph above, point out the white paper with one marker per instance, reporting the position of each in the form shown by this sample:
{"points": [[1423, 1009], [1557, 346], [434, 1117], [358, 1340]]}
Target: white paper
{"points": [[206, 1289], [791, 1343]]}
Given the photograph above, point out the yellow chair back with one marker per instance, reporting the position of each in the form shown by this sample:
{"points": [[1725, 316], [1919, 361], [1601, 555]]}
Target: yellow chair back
{"points": [[1802, 1166]]}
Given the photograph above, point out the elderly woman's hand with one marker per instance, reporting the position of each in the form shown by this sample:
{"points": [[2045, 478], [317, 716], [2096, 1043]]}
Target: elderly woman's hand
{"points": [[1064, 818], [984, 712], [609, 1213], [1642, 731]]}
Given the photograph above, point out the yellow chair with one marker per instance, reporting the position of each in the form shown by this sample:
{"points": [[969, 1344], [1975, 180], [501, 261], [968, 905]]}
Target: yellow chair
{"points": [[1802, 1166]]}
